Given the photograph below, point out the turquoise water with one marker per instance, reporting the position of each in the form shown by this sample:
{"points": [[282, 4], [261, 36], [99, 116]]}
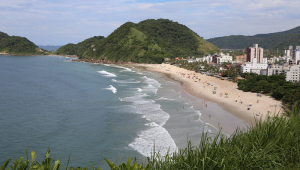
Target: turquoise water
{"points": [[91, 111]]}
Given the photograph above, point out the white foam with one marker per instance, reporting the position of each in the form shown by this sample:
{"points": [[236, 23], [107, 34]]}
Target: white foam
{"points": [[131, 80], [125, 68], [113, 89], [155, 136], [107, 74], [152, 124], [139, 89], [163, 98], [152, 82], [106, 65]]}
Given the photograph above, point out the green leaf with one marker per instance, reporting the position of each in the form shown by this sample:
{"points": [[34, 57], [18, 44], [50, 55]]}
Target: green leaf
{"points": [[128, 162], [111, 164], [4, 165], [33, 156], [48, 153], [57, 165]]}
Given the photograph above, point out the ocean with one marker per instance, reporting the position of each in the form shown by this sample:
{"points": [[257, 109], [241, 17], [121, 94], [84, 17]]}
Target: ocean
{"points": [[92, 111]]}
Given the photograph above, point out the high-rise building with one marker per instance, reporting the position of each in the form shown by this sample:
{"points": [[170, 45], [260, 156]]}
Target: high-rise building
{"points": [[255, 52]]}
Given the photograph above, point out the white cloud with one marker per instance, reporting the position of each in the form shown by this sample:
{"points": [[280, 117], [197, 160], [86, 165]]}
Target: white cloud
{"points": [[75, 20]]}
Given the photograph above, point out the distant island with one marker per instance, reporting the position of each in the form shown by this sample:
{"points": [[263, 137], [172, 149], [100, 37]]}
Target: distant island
{"points": [[15, 45], [149, 41]]}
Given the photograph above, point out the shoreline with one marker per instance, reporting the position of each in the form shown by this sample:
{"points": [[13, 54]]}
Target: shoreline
{"points": [[226, 113]]}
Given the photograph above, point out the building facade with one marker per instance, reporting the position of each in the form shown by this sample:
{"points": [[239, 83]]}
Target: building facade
{"points": [[278, 69], [253, 67], [241, 58], [293, 74], [255, 52], [223, 58], [256, 62]]}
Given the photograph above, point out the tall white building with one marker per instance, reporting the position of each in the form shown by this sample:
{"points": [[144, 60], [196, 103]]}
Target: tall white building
{"points": [[255, 52], [256, 63], [296, 56]]}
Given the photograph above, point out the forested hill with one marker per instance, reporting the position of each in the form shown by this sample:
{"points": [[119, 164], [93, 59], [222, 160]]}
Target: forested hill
{"points": [[17, 45], [80, 48], [150, 41], [270, 41]]}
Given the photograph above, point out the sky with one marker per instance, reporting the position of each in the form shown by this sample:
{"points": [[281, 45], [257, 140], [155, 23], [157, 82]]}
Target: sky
{"points": [[59, 22]]}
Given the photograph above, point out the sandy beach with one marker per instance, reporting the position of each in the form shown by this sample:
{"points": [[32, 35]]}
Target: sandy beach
{"points": [[246, 106]]}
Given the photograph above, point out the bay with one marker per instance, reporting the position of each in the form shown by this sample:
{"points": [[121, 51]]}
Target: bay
{"points": [[92, 111]]}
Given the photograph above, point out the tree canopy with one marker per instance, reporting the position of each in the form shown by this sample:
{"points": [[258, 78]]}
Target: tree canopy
{"points": [[17, 45], [80, 48]]}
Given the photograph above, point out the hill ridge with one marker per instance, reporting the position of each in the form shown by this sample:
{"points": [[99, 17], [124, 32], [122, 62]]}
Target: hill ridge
{"points": [[270, 41]]}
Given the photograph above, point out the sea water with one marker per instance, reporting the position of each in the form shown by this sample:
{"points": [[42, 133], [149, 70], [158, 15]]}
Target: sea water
{"points": [[92, 111]]}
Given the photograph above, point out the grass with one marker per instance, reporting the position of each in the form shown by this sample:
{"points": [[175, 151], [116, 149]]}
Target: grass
{"points": [[273, 144]]}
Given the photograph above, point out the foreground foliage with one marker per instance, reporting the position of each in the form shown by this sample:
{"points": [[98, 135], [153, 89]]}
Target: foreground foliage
{"points": [[273, 144]]}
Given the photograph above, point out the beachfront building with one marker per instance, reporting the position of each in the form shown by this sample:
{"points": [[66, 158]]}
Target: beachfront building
{"points": [[224, 58], [252, 67], [207, 58], [220, 58], [293, 74], [277, 69]]}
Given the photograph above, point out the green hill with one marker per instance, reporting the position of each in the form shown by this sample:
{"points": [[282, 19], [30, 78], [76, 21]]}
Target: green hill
{"points": [[17, 45], [293, 41], [80, 48], [150, 41], [268, 41]]}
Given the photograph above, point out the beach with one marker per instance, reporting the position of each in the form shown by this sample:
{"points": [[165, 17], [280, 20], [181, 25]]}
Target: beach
{"points": [[246, 106]]}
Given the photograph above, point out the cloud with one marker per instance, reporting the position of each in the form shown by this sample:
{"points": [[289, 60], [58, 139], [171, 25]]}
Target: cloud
{"points": [[71, 21]]}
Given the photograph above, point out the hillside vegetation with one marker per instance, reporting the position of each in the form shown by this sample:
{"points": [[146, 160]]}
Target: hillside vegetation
{"points": [[272, 41], [149, 41], [17, 45], [80, 48]]}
